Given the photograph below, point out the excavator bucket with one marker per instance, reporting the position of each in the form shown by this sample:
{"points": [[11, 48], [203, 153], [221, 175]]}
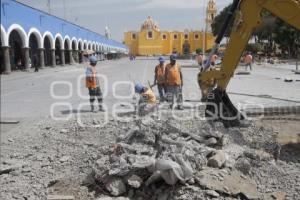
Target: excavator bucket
{"points": [[220, 107]]}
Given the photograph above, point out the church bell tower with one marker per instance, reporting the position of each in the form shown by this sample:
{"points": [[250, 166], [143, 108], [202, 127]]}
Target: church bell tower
{"points": [[211, 12]]}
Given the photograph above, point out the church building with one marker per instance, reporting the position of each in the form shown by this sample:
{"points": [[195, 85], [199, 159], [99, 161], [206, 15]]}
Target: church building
{"points": [[150, 40]]}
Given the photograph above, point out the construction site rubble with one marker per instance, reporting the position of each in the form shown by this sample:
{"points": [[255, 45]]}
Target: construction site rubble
{"points": [[150, 158], [156, 155]]}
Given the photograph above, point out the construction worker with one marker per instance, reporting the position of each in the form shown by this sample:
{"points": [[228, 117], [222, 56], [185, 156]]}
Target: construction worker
{"points": [[93, 85], [248, 61], [199, 59], [147, 101], [213, 60], [159, 79], [174, 83]]}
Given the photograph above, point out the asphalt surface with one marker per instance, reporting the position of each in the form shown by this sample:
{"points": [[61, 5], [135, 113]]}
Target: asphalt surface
{"points": [[60, 91]]}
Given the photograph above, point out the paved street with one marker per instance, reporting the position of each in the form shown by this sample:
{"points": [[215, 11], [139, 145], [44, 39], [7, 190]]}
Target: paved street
{"points": [[28, 95], [64, 152]]}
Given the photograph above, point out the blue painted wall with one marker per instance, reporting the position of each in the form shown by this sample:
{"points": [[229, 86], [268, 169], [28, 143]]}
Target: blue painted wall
{"points": [[13, 12]]}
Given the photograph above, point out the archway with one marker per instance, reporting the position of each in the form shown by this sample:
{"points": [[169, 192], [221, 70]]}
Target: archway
{"points": [[84, 46], [47, 54], [58, 48], [186, 48], [17, 58], [33, 50], [80, 54], [67, 54], [74, 52]]}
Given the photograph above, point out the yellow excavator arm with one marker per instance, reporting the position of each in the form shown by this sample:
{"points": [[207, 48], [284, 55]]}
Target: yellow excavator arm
{"points": [[247, 18]]}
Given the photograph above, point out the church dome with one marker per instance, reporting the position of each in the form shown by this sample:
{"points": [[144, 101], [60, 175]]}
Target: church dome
{"points": [[149, 24]]}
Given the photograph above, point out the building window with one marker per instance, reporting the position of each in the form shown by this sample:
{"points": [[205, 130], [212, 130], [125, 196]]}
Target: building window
{"points": [[164, 36], [134, 36], [186, 36], [196, 37], [150, 35], [175, 36]]}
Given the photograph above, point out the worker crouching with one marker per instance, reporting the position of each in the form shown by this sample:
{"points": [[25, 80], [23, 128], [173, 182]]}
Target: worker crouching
{"points": [[147, 101], [93, 85], [174, 83]]}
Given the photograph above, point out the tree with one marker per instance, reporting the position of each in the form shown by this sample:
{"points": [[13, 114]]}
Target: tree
{"points": [[219, 20], [264, 33], [254, 48], [288, 38], [199, 50]]}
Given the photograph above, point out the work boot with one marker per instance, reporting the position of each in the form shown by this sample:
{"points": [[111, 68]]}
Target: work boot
{"points": [[101, 109], [179, 107], [93, 108]]}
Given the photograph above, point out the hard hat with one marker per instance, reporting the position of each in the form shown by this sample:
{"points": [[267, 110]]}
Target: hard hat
{"points": [[93, 60], [173, 57], [161, 59], [138, 88]]}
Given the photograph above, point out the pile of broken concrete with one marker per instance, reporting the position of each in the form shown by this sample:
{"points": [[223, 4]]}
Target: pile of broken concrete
{"points": [[174, 159]]}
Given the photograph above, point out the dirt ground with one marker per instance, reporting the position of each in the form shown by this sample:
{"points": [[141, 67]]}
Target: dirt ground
{"points": [[47, 157]]}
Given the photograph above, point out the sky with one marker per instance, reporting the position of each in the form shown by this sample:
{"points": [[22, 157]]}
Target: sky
{"points": [[128, 15]]}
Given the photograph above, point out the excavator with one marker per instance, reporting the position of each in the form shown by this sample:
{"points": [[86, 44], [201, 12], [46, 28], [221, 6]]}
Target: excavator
{"points": [[247, 17]]}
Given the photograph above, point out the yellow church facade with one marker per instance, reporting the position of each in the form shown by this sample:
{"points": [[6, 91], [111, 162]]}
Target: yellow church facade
{"points": [[150, 40]]}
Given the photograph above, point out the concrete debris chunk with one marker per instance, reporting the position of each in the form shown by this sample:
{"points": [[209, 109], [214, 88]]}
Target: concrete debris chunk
{"points": [[64, 131], [64, 159], [60, 197], [275, 196], [113, 198], [243, 165], [135, 181], [218, 160], [211, 141], [232, 184], [212, 193], [258, 155], [115, 186]]}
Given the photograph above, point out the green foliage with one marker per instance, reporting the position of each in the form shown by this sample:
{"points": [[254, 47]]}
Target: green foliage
{"points": [[199, 50], [219, 20], [288, 39], [254, 48]]}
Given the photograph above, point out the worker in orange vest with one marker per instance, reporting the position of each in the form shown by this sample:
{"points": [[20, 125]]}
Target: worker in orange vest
{"points": [[159, 79], [174, 83], [92, 83], [248, 61], [147, 101]]}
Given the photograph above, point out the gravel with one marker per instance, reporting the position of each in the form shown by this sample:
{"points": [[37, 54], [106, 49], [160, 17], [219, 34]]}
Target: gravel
{"points": [[80, 160]]}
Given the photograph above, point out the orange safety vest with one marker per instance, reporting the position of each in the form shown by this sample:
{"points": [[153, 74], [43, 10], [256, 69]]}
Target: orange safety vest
{"points": [[173, 75], [91, 79], [160, 74], [149, 95]]}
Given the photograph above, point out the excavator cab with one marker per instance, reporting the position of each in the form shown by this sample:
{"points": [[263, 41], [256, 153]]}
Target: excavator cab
{"points": [[247, 17]]}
